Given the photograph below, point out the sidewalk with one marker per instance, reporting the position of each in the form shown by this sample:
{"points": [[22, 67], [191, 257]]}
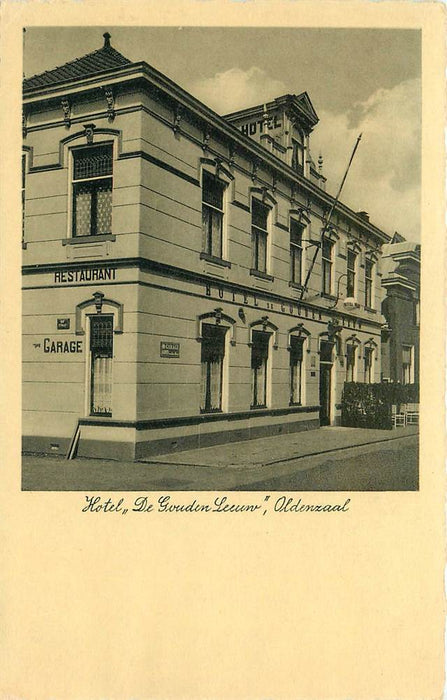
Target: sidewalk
{"points": [[226, 467], [280, 448]]}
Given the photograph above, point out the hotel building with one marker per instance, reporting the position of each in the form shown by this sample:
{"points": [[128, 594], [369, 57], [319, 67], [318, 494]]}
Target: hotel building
{"points": [[182, 285]]}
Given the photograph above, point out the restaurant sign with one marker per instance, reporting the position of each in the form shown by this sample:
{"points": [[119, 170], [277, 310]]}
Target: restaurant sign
{"points": [[91, 274]]}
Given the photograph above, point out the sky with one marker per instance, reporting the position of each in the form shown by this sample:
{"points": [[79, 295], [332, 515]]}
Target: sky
{"points": [[359, 81]]}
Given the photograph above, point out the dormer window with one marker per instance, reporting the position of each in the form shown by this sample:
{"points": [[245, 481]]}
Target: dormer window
{"points": [[297, 155], [92, 190]]}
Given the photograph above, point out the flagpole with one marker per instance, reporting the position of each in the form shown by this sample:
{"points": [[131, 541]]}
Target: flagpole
{"points": [[328, 218]]}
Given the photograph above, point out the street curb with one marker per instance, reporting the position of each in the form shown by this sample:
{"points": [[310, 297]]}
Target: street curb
{"points": [[284, 459], [338, 449]]}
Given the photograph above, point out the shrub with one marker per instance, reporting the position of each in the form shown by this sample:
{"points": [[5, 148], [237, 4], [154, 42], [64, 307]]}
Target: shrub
{"points": [[369, 405]]}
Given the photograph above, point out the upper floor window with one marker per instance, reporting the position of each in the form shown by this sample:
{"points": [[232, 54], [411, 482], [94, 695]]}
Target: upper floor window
{"points": [[296, 252], [351, 270], [369, 266], [92, 190], [212, 214], [259, 234], [327, 261]]}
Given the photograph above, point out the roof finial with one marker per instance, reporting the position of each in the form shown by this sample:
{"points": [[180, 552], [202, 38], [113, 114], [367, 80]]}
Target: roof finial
{"points": [[107, 38], [320, 163]]}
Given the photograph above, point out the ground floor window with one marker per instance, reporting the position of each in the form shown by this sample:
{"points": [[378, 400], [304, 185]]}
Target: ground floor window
{"points": [[351, 351], [259, 359], [369, 355], [407, 365], [296, 369], [212, 356], [101, 349]]}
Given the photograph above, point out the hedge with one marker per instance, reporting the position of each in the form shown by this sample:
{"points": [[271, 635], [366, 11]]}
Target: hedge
{"points": [[369, 405]]}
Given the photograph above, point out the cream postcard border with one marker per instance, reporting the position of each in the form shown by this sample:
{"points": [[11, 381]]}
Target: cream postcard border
{"points": [[225, 607]]}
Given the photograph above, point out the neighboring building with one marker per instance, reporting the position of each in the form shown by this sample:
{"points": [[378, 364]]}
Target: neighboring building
{"points": [[165, 255], [401, 308]]}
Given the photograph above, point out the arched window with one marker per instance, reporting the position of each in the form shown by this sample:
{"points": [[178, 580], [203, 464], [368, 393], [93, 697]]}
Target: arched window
{"points": [[352, 258], [327, 260], [90, 155], [369, 357], [370, 272], [298, 339], [352, 352], [215, 179], [99, 319], [263, 336], [262, 204], [214, 330]]}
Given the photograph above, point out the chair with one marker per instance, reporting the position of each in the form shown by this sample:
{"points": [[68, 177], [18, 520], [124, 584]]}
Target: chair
{"points": [[412, 414], [399, 419]]}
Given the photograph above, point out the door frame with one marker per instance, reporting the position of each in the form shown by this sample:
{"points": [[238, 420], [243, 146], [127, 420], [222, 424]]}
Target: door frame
{"points": [[327, 367]]}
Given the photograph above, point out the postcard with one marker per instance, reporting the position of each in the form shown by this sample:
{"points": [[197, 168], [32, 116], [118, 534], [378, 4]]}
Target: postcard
{"points": [[223, 350]]}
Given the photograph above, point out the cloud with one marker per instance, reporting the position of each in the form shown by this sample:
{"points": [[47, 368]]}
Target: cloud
{"points": [[384, 179], [385, 175], [236, 89]]}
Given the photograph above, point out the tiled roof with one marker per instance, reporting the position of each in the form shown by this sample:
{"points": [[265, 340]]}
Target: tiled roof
{"points": [[102, 59]]}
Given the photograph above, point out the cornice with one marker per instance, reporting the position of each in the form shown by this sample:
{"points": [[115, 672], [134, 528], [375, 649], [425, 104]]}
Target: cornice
{"points": [[142, 71], [146, 264]]}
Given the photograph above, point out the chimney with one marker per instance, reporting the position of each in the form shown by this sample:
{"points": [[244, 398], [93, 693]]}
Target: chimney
{"points": [[363, 215]]}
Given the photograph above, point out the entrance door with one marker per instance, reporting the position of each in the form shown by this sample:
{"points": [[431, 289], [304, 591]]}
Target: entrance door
{"points": [[326, 350], [101, 349]]}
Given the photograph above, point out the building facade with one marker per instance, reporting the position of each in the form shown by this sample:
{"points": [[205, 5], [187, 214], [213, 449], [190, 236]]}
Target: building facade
{"points": [[400, 307], [182, 285]]}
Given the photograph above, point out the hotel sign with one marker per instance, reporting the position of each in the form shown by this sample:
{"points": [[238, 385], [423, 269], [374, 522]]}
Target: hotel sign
{"points": [[291, 308], [257, 126], [168, 349]]}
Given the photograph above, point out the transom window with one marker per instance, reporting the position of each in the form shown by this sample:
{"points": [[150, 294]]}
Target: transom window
{"points": [[259, 232], [351, 265], [212, 356], [327, 255], [369, 266], [259, 359], [92, 190], [296, 251], [212, 214], [296, 369]]}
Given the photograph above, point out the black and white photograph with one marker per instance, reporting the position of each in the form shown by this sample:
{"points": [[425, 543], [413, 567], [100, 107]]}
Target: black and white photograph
{"points": [[223, 349], [221, 258]]}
